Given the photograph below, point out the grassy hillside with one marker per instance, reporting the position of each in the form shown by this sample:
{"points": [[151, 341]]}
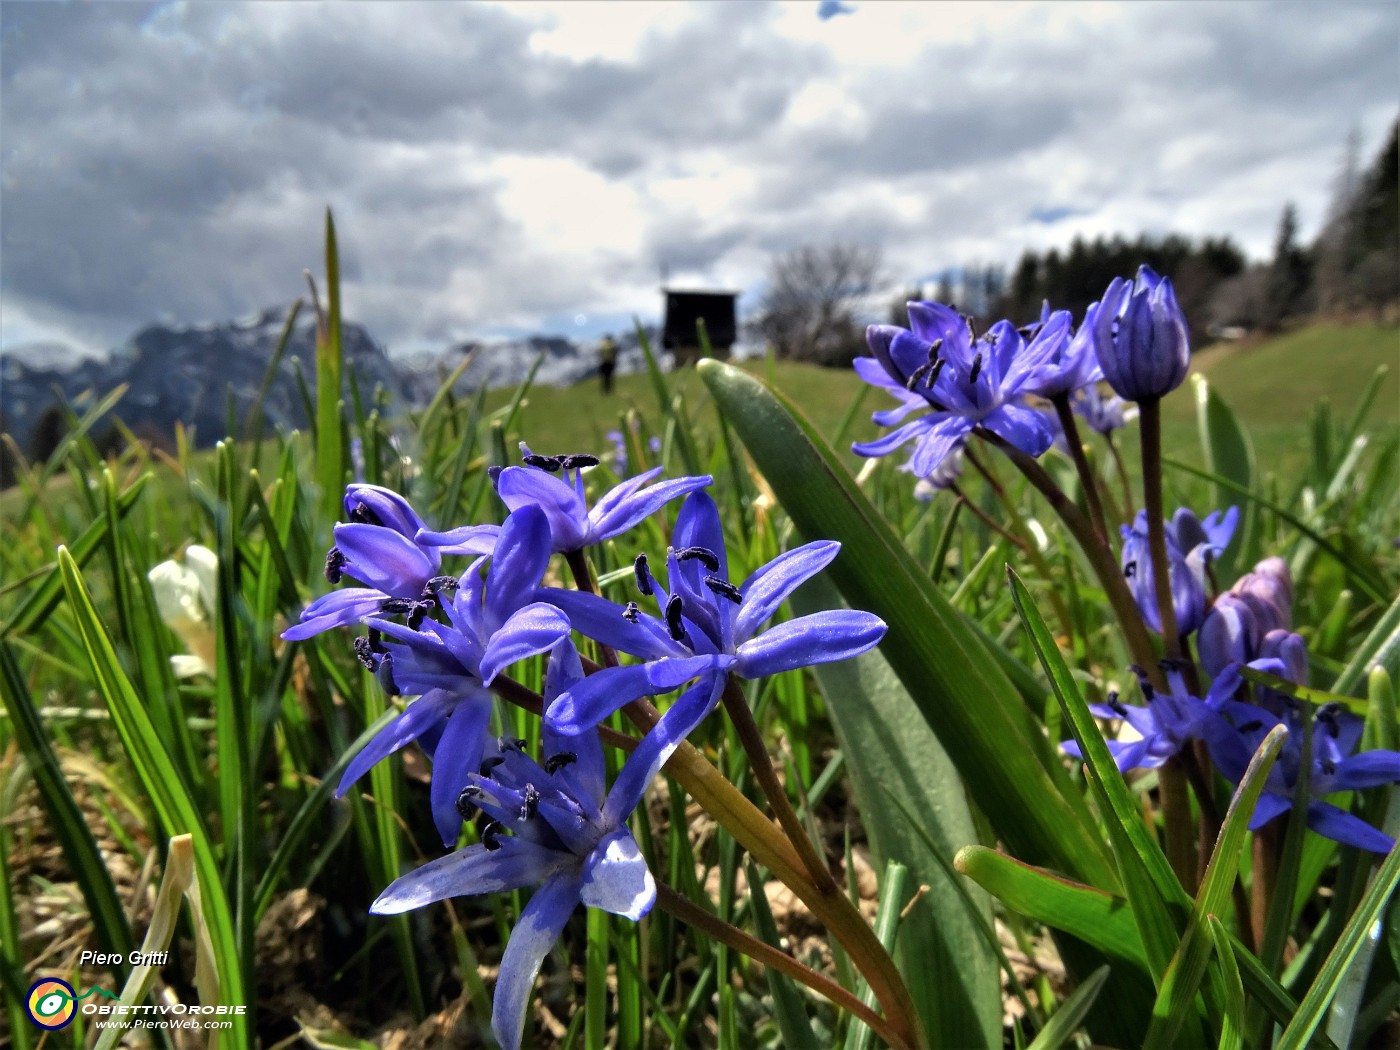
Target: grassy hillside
{"points": [[1272, 385]]}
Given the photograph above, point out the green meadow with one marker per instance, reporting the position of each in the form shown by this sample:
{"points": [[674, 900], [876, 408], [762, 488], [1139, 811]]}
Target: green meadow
{"points": [[189, 807]]}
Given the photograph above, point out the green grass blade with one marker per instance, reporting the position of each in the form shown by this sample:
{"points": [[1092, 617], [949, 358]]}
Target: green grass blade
{"points": [[1157, 899], [1232, 1019], [788, 1010], [1313, 1009], [887, 926], [330, 425], [1380, 647], [1061, 1027], [1228, 454], [162, 784], [44, 598], [1093, 916], [658, 381], [12, 978], [109, 920], [960, 690], [1188, 965]]}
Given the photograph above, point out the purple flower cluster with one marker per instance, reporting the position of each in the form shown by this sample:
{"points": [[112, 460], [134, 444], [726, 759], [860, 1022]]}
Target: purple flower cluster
{"points": [[1135, 338], [1192, 543], [445, 639], [1248, 626]]}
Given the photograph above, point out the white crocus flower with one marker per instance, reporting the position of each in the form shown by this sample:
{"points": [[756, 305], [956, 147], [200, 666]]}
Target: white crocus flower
{"points": [[185, 597]]}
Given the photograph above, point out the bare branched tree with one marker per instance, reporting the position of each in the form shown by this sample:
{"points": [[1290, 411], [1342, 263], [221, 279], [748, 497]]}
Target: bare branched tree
{"points": [[809, 311]]}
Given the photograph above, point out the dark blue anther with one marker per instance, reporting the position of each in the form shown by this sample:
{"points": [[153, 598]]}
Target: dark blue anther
{"points": [[465, 806], [335, 563], [643, 574], [362, 515], [673, 619], [724, 589], [704, 555], [554, 763]]}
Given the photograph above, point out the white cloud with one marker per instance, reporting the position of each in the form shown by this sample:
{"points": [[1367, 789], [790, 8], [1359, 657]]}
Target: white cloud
{"points": [[507, 165]]}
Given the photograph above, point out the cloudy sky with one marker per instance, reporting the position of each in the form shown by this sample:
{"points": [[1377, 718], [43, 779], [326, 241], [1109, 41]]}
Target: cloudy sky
{"points": [[496, 169]]}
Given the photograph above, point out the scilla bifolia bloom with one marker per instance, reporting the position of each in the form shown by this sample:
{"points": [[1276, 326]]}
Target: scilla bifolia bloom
{"points": [[967, 380], [552, 825], [1335, 767], [1141, 338], [377, 546], [1165, 724], [1191, 543], [709, 627], [572, 525], [492, 624]]}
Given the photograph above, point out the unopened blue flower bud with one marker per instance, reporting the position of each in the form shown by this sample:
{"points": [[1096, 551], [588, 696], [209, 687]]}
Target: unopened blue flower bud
{"points": [[1229, 634], [1269, 586], [1140, 337]]}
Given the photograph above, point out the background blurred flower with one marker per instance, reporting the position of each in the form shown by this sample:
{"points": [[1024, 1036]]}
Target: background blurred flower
{"points": [[186, 598]]}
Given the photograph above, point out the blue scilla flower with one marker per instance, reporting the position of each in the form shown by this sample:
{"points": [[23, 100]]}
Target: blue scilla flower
{"points": [[1070, 363], [709, 627], [1191, 544], [572, 525], [1140, 337], [377, 546], [1335, 767], [492, 623], [968, 381], [1102, 413], [552, 825], [1164, 725]]}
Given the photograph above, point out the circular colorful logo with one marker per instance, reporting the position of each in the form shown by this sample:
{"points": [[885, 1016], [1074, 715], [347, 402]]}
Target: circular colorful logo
{"points": [[50, 1003]]}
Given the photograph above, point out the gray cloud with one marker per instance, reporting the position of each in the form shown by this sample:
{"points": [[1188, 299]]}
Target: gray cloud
{"points": [[175, 159]]}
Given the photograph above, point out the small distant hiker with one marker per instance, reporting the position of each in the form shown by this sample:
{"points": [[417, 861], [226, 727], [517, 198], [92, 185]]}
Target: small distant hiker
{"points": [[607, 362]]}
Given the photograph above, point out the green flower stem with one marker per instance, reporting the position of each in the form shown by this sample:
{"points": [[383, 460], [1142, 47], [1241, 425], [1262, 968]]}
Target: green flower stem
{"points": [[1151, 429], [1096, 550], [769, 847], [1180, 844], [737, 706], [1032, 551], [1022, 544], [1087, 480], [671, 902]]}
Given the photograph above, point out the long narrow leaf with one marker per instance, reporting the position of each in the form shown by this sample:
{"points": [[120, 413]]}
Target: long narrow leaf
{"points": [[1158, 901], [1313, 1008], [157, 774], [1061, 1028], [892, 753], [1189, 963], [959, 688], [66, 820]]}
